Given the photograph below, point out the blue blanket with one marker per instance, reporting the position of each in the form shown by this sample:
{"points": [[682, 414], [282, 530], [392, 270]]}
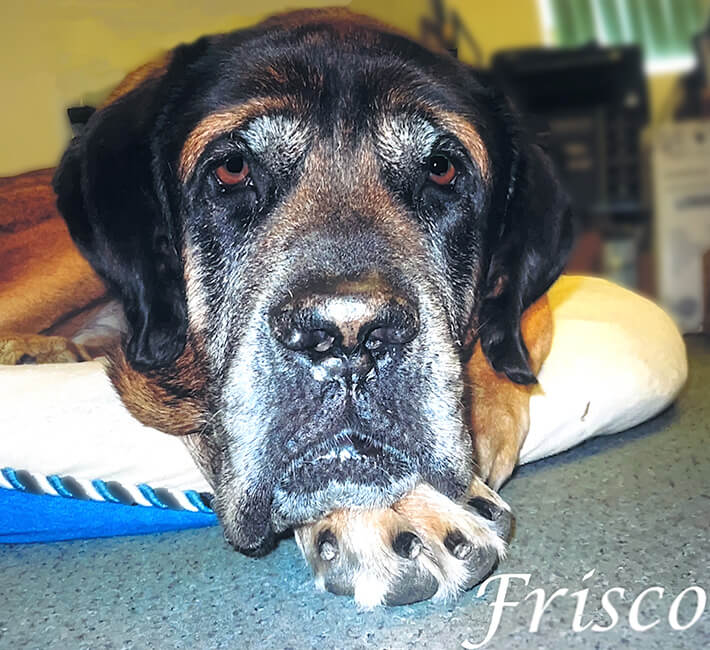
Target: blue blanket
{"points": [[26, 517]]}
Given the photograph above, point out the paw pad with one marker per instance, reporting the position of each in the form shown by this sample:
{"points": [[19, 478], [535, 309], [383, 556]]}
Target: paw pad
{"points": [[327, 545], [458, 545], [407, 545]]}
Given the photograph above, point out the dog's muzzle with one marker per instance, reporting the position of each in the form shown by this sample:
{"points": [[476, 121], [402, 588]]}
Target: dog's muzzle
{"points": [[343, 335]]}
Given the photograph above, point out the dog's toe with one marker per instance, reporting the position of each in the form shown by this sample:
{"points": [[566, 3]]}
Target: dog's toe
{"points": [[500, 517], [424, 546]]}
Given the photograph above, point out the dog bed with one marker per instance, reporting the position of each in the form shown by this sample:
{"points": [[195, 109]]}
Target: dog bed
{"points": [[74, 463]]}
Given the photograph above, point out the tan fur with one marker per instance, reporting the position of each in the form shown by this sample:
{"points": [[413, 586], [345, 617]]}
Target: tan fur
{"points": [[222, 122], [363, 193], [43, 277], [470, 138], [384, 521], [500, 416], [172, 399], [18, 349], [429, 511], [420, 509], [399, 100]]}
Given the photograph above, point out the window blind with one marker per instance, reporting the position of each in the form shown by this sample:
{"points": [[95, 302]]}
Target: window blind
{"points": [[663, 28]]}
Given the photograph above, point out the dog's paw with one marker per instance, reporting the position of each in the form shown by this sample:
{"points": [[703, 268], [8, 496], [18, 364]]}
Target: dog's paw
{"points": [[20, 349], [424, 546]]}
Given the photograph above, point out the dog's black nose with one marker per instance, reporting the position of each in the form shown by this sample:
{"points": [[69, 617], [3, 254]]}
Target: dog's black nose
{"points": [[346, 320]]}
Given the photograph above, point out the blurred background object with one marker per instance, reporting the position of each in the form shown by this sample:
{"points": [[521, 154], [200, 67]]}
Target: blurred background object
{"points": [[618, 92], [445, 29], [681, 175], [640, 187], [588, 106]]}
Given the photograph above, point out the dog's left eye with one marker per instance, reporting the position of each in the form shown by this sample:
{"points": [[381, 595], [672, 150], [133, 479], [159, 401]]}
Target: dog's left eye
{"points": [[441, 170], [233, 171]]}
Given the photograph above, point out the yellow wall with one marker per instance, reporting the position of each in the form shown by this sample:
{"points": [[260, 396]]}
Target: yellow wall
{"points": [[55, 53], [498, 24]]}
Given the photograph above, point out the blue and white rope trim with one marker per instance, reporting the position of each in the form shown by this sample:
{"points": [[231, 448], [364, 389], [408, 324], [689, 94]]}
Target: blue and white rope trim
{"points": [[111, 491]]}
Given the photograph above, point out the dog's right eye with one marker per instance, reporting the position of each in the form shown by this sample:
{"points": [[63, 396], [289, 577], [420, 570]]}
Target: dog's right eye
{"points": [[441, 170], [233, 171]]}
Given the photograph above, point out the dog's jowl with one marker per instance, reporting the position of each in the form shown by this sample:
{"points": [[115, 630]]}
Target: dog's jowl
{"points": [[312, 225]]}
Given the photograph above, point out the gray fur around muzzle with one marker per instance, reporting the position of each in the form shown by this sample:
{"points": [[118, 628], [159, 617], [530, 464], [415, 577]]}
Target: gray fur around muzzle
{"points": [[360, 391]]}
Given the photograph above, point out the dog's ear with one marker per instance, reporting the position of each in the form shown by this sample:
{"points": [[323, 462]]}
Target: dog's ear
{"points": [[529, 244], [111, 191]]}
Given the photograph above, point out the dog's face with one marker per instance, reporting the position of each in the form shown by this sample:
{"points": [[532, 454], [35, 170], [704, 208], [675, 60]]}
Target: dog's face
{"points": [[309, 223]]}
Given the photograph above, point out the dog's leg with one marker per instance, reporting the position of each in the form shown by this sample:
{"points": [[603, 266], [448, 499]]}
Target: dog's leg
{"points": [[500, 408], [424, 546], [18, 349]]}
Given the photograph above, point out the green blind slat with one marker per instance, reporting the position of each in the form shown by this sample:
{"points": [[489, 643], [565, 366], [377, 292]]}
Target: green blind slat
{"points": [[634, 12], [583, 16], [612, 21], [659, 29], [663, 28], [566, 34], [687, 17], [676, 40]]}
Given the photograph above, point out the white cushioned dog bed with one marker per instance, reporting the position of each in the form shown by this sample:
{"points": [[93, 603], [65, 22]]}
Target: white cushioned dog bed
{"points": [[616, 360]]}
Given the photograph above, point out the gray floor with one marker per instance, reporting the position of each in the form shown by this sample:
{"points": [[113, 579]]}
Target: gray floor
{"points": [[635, 508]]}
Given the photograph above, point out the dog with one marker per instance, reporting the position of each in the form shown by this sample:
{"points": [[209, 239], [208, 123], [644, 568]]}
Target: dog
{"points": [[332, 247]]}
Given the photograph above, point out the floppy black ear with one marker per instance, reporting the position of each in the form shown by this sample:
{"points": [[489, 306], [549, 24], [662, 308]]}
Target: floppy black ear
{"points": [[529, 249], [112, 195]]}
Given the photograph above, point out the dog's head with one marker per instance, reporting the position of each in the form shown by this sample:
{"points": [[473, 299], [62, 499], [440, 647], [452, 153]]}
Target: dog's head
{"points": [[309, 223]]}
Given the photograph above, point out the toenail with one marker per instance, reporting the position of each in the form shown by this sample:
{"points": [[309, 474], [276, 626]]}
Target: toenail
{"points": [[407, 545], [486, 508], [458, 545], [327, 545]]}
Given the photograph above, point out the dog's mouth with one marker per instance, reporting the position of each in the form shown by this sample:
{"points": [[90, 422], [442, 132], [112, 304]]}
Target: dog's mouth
{"points": [[349, 470]]}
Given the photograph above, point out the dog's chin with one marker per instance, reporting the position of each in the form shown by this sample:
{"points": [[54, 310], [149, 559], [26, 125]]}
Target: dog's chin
{"points": [[348, 471]]}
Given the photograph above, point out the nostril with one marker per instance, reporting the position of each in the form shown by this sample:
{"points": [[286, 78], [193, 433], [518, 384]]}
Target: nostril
{"points": [[350, 316], [297, 331], [380, 336], [396, 324], [374, 341], [303, 340], [322, 341]]}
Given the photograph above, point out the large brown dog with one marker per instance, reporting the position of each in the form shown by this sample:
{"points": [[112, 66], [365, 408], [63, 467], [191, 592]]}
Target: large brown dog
{"points": [[325, 238]]}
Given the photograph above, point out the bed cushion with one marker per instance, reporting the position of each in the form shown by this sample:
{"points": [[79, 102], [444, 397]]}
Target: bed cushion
{"points": [[616, 360]]}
